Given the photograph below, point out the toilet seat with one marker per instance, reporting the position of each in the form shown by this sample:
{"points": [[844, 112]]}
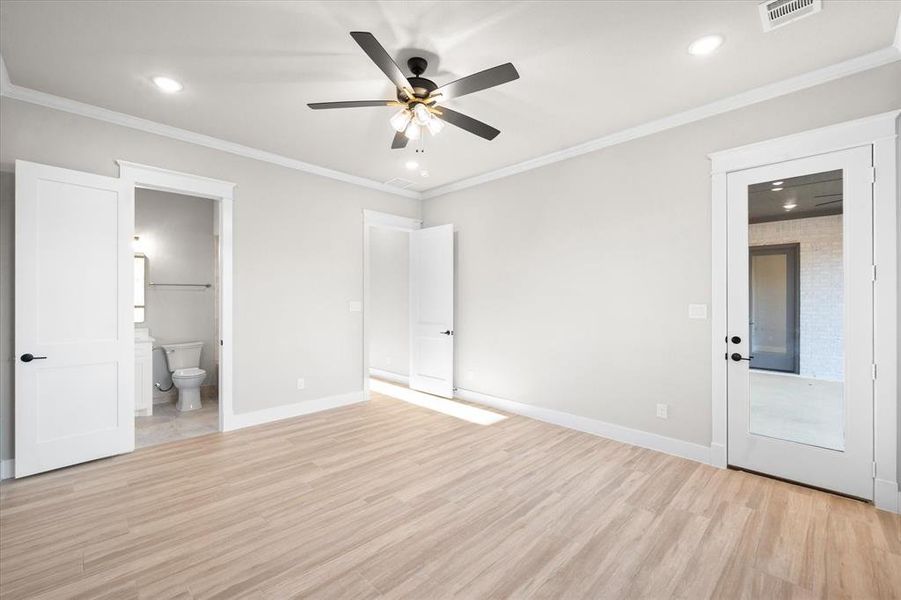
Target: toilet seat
{"points": [[192, 372]]}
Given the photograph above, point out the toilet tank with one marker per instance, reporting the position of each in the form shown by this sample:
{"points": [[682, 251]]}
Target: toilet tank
{"points": [[183, 356]]}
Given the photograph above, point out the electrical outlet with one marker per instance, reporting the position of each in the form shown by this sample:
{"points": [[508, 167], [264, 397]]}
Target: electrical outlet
{"points": [[662, 411], [354, 306], [300, 383]]}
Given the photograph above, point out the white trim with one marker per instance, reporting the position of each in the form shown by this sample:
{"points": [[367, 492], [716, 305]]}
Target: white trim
{"points": [[125, 120], [886, 495], [747, 98], [754, 96], [372, 218], [635, 437], [288, 411], [841, 136], [7, 468], [389, 376], [881, 133], [146, 177], [388, 221]]}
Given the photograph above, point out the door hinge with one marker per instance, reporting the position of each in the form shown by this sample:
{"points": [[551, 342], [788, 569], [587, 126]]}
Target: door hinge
{"points": [[874, 371], [874, 272], [872, 174], [874, 469]]}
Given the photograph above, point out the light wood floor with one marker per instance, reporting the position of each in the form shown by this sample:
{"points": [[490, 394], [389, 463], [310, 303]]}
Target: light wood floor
{"points": [[388, 499]]}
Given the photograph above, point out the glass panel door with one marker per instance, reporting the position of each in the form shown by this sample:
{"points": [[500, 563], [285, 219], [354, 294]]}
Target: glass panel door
{"points": [[800, 249]]}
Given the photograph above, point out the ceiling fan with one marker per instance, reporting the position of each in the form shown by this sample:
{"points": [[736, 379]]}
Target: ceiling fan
{"points": [[418, 98]]}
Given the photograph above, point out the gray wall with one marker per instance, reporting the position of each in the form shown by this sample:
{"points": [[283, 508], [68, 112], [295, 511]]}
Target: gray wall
{"points": [[573, 280], [389, 300], [298, 248], [178, 238]]}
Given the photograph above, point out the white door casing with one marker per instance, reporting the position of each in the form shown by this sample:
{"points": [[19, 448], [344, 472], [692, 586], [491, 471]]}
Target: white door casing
{"points": [[73, 302], [847, 471], [432, 310]]}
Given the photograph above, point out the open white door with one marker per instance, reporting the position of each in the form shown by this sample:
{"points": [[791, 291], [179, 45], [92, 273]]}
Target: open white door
{"points": [[74, 322], [432, 310]]}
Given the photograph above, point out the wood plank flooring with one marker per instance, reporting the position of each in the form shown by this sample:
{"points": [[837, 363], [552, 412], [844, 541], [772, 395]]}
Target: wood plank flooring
{"points": [[386, 499]]}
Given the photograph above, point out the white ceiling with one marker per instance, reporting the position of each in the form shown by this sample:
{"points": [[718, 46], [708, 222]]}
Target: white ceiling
{"points": [[249, 68]]}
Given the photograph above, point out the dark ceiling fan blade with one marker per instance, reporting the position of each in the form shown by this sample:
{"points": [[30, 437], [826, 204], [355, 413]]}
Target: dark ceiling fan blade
{"points": [[350, 104], [468, 123], [829, 202], [399, 141], [478, 81], [381, 58]]}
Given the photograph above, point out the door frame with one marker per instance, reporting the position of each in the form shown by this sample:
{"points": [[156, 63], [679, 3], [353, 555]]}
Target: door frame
{"points": [[165, 180], [372, 218], [880, 133], [794, 249]]}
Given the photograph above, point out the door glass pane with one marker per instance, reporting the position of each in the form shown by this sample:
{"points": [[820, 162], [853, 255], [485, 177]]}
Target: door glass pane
{"points": [[795, 316]]}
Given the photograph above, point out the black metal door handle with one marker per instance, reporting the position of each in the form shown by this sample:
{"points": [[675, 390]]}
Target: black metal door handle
{"points": [[27, 357], [448, 332], [737, 357]]}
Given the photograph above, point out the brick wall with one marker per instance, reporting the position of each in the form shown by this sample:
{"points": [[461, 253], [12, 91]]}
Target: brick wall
{"points": [[820, 240]]}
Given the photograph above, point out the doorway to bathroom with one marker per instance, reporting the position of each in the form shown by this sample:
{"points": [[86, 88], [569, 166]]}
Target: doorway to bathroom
{"points": [[176, 249], [182, 303]]}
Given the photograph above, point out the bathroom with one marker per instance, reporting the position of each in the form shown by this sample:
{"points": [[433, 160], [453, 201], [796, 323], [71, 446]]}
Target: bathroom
{"points": [[176, 250]]}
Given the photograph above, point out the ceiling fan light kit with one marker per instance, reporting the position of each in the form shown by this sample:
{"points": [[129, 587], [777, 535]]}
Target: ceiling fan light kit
{"points": [[418, 97]]}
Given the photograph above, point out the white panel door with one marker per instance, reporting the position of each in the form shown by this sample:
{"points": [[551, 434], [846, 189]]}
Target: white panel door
{"points": [[74, 323], [814, 426], [432, 310]]}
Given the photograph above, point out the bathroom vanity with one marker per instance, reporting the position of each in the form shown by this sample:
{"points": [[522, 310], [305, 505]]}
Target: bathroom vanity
{"points": [[143, 372]]}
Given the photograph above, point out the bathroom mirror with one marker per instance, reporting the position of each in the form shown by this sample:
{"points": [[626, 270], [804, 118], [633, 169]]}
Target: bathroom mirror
{"points": [[140, 282]]}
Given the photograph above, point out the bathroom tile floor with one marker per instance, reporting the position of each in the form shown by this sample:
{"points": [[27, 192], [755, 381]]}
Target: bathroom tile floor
{"points": [[168, 425]]}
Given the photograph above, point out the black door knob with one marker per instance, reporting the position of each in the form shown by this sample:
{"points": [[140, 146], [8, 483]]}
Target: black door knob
{"points": [[736, 339], [737, 357], [448, 332], [27, 357]]}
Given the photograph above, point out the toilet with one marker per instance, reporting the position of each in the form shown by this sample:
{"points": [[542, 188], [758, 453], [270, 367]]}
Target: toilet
{"points": [[187, 376]]}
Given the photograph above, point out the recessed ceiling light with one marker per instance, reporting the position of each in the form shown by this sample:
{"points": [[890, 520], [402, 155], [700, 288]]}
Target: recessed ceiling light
{"points": [[777, 183], [776, 190], [167, 84], [789, 205], [423, 173], [412, 165], [705, 45]]}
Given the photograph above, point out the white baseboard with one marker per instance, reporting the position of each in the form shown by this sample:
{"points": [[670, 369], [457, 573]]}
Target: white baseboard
{"points": [[277, 413], [887, 496], [389, 376], [653, 441], [7, 468]]}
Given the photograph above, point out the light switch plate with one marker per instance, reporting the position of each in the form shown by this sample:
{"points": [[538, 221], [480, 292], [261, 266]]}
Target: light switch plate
{"points": [[355, 306], [697, 311], [301, 384], [662, 411]]}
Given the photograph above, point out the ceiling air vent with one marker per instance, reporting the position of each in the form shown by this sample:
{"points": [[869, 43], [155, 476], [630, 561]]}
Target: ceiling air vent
{"points": [[776, 13], [399, 183]]}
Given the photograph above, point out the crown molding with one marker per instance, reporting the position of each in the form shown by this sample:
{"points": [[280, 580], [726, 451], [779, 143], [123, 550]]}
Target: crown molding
{"points": [[761, 94], [31, 96], [754, 96]]}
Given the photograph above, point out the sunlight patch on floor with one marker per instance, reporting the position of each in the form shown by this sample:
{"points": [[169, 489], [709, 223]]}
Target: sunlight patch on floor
{"points": [[466, 412]]}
